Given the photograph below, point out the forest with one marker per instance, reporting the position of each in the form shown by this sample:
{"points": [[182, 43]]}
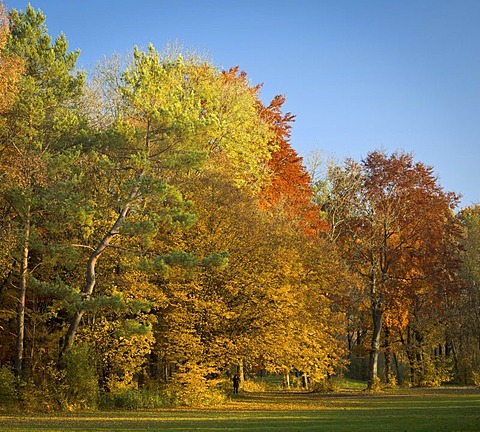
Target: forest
{"points": [[159, 233]]}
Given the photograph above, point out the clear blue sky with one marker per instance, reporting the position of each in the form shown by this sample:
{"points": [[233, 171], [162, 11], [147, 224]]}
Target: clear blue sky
{"points": [[358, 74]]}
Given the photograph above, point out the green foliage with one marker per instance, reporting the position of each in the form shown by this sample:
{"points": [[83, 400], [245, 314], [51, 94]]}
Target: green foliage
{"points": [[57, 289], [216, 260], [81, 379], [134, 399], [8, 386], [49, 84], [136, 208]]}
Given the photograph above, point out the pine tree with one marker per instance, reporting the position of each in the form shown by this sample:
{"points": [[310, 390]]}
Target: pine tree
{"points": [[35, 130]]}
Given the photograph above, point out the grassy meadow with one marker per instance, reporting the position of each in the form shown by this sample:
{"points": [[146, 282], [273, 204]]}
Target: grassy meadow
{"points": [[413, 410]]}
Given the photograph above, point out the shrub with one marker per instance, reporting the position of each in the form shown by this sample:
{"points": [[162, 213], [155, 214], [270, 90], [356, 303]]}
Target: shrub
{"points": [[8, 386], [391, 381], [375, 385], [326, 385], [476, 378], [254, 386], [46, 391], [435, 373], [81, 381]]}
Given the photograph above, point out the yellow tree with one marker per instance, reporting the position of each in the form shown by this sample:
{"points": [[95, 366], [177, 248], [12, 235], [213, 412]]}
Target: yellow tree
{"points": [[464, 313], [213, 319], [174, 114]]}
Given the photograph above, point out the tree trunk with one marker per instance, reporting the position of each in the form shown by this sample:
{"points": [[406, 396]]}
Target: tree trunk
{"points": [[90, 279], [241, 371], [305, 380], [397, 368], [377, 314], [388, 357], [22, 291], [455, 358], [411, 356]]}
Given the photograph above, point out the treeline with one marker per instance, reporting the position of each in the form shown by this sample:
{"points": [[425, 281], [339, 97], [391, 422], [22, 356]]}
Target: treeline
{"points": [[159, 233]]}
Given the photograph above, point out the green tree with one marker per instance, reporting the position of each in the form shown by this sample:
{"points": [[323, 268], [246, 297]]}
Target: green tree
{"points": [[34, 131], [174, 113], [463, 335]]}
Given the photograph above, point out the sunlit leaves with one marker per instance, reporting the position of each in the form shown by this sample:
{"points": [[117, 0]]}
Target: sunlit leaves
{"points": [[396, 225]]}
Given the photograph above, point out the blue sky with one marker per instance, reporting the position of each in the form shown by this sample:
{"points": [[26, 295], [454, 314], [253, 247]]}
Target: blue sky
{"points": [[358, 74]]}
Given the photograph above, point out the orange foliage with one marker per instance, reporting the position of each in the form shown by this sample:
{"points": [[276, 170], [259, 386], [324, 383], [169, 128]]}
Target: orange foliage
{"points": [[289, 187], [234, 74], [10, 68]]}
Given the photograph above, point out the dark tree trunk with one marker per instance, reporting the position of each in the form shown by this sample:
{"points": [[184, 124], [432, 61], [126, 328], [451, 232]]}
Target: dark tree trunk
{"points": [[388, 357]]}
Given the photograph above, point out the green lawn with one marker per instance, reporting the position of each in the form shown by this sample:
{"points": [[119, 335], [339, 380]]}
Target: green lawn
{"points": [[437, 410]]}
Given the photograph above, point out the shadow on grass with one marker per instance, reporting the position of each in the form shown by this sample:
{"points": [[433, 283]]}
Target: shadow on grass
{"points": [[413, 410]]}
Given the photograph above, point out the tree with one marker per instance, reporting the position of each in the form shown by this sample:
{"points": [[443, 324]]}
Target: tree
{"points": [[289, 187], [268, 306], [34, 130], [174, 113], [393, 224], [11, 67], [463, 332]]}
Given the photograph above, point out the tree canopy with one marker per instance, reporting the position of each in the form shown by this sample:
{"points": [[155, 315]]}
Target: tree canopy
{"points": [[159, 232]]}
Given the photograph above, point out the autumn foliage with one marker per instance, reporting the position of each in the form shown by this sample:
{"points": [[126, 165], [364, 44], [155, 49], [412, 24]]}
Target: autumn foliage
{"points": [[159, 233], [10, 66], [289, 188]]}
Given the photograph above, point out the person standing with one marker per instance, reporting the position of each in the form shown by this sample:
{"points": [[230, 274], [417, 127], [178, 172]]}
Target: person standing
{"points": [[236, 383]]}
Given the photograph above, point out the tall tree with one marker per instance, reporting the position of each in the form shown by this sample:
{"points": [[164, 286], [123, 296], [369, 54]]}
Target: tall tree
{"points": [[10, 66], [174, 112], [463, 334], [393, 226], [289, 187], [34, 131], [269, 305]]}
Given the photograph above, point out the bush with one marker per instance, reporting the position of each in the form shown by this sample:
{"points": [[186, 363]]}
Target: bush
{"points": [[129, 399], [46, 391], [391, 381], [204, 393], [326, 385], [435, 373], [134, 398], [255, 386], [476, 378], [8, 386], [169, 396], [81, 381]]}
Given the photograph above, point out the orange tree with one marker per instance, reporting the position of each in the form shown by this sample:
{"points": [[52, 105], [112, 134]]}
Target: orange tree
{"points": [[10, 66], [395, 222]]}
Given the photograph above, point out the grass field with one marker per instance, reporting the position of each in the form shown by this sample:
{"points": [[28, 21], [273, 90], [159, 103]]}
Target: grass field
{"points": [[437, 410]]}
